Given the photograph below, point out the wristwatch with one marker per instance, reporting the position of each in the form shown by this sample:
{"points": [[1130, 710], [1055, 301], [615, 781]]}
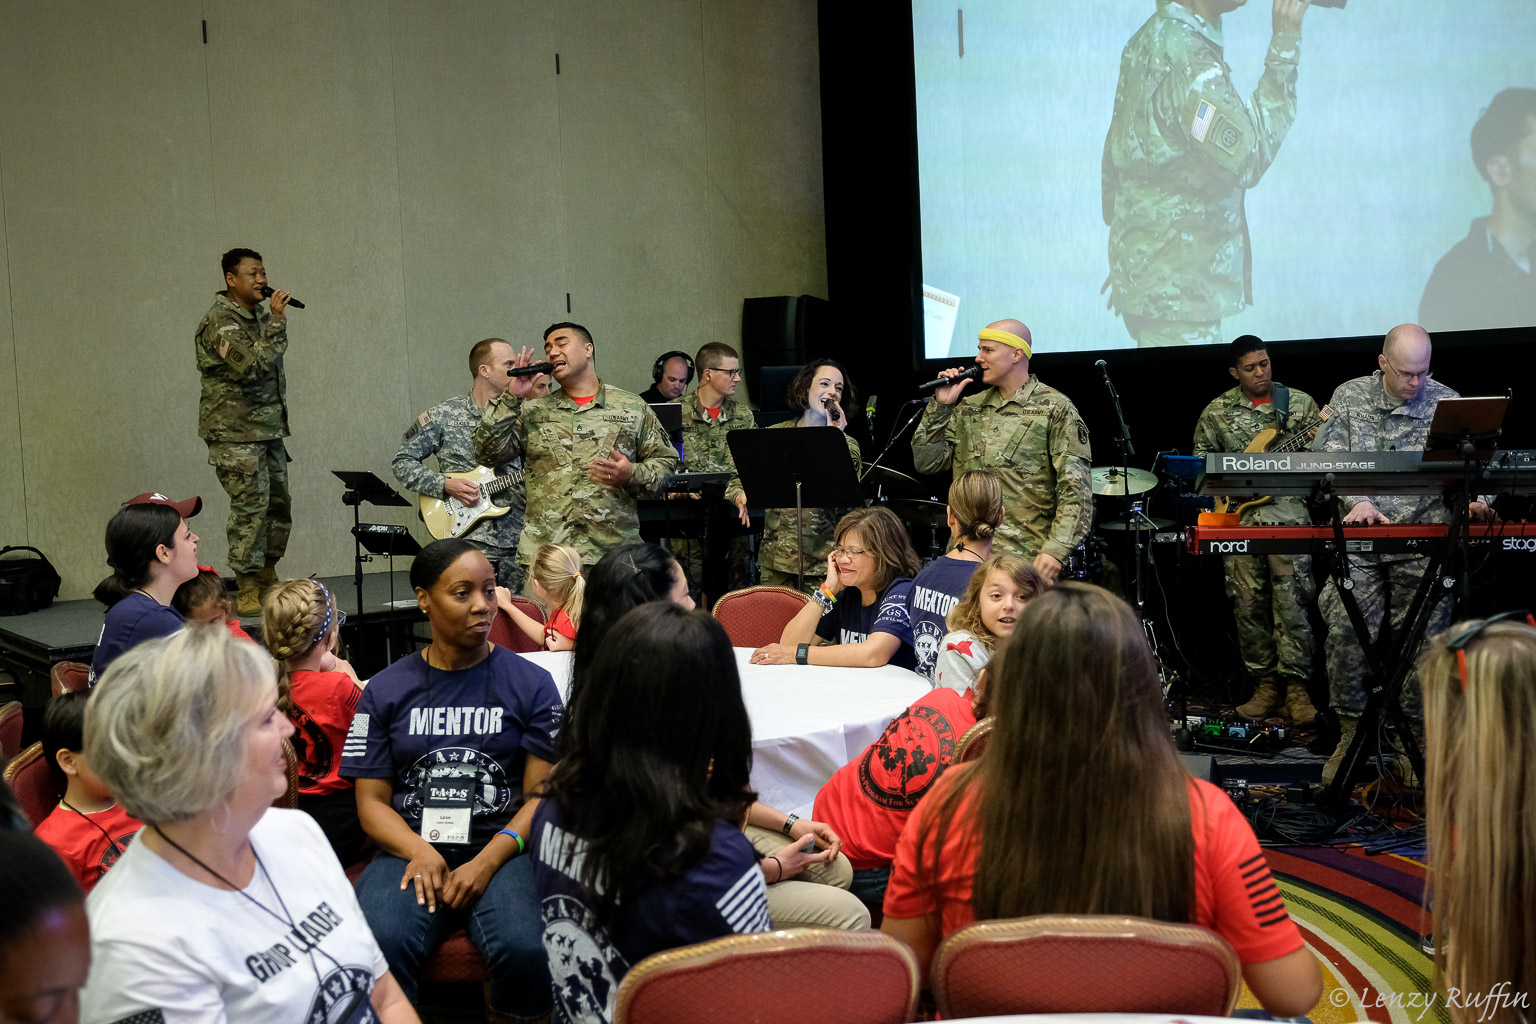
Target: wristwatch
{"points": [[789, 824]]}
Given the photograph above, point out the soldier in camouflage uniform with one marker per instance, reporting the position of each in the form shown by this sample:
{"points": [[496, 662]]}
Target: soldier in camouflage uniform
{"points": [[243, 416], [1029, 436], [1388, 411], [710, 412], [1181, 151], [820, 387], [447, 430], [588, 451], [1269, 593]]}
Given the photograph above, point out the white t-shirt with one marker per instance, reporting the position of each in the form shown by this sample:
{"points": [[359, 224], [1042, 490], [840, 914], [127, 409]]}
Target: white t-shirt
{"points": [[167, 949]]}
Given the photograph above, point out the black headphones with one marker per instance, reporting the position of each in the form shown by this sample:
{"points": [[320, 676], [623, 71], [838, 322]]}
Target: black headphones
{"points": [[659, 367]]}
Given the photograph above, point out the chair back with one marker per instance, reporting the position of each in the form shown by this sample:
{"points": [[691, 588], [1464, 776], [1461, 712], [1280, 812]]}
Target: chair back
{"points": [[1084, 964], [856, 978], [756, 616], [32, 781], [290, 797], [973, 740], [504, 632], [10, 730], [69, 677]]}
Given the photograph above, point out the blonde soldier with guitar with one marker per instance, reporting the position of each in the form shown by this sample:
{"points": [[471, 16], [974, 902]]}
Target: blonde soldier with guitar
{"points": [[461, 493], [1269, 593]]}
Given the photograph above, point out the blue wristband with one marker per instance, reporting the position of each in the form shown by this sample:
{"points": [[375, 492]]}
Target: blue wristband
{"points": [[514, 835]]}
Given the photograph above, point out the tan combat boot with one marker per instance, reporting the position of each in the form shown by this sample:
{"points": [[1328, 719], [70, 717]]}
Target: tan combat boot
{"points": [[1266, 696], [1347, 726], [266, 579], [1298, 706], [248, 600]]}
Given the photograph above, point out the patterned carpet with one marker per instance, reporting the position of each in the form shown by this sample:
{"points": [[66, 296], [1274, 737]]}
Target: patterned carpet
{"points": [[1362, 915]]}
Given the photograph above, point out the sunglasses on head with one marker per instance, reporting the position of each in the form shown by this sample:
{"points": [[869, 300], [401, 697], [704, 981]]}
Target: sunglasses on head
{"points": [[1459, 642]]}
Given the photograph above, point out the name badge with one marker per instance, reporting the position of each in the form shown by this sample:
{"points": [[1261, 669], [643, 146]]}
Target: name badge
{"points": [[446, 806]]}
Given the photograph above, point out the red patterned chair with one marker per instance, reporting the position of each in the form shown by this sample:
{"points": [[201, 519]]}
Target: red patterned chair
{"points": [[1084, 964], [852, 977], [504, 632], [757, 616], [32, 782], [10, 730], [973, 740], [69, 677]]}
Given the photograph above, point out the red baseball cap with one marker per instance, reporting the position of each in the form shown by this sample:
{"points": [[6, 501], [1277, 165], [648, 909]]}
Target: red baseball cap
{"points": [[187, 508]]}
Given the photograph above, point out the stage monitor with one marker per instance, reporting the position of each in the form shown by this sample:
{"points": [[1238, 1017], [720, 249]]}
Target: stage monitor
{"points": [[1089, 168]]}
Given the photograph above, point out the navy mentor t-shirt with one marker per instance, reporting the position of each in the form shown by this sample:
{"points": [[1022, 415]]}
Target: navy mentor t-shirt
{"points": [[851, 621], [134, 619], [723, 894], [935, 590], [416, 723]]}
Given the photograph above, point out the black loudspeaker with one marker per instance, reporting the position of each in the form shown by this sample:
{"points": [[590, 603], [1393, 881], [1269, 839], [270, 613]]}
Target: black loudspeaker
{"points": [[781, 330]]}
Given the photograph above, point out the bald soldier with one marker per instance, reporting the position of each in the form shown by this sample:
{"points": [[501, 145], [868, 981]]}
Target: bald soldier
{"points": [[1182, 150], [1388, 411], [1028, 435]]}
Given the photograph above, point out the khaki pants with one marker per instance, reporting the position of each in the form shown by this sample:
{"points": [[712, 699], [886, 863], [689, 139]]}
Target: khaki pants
{"points": [[818, 897]]}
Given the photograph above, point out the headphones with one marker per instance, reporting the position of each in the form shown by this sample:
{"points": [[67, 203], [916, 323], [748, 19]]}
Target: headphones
{"points": [[658, 367]]}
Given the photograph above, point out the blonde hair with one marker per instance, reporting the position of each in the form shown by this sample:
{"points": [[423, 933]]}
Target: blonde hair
{"points": [[557, 569], [887, 541], [976, 500], [163, 725], [966, 614], [296, 615], [1481, 809]]}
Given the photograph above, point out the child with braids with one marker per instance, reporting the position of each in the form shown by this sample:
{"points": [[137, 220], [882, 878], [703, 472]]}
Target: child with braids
{"points": [[318, 691], [555, 578]]}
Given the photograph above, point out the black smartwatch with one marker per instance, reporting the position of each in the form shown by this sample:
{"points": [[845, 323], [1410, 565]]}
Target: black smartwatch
{"points": [[803, 654]]}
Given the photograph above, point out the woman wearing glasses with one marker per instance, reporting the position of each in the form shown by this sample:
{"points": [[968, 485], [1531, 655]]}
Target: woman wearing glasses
{"points": [[859, 616], [1479, 684], [819, 393]]}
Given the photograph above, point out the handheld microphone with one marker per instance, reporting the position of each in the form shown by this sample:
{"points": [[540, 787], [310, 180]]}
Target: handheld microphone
{"points": [[532, 369], [928, 387], [830, 404], [266, 293]]}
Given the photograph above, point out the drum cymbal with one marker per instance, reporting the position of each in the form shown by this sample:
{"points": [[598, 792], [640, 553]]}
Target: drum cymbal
{"points": [[1112, 480], [915, 512], [892, 475], [1148, 525]]}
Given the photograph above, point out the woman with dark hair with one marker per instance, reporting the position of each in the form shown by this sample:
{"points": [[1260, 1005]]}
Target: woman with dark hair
{"points": [[1078, 805], [860, 616], [448, 750], [820, 393], [624, 578], [45, 942], [637, 846], [152, 551]]}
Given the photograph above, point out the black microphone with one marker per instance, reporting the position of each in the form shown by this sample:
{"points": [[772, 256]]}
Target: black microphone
{"points": [[1103, 368], [928, 387], [531, 369], [266, 293], [869, 409], [830, 404]]}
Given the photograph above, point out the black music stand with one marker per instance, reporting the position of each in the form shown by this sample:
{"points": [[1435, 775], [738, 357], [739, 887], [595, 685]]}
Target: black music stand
{"points": [[365, 487], [799, 468]]}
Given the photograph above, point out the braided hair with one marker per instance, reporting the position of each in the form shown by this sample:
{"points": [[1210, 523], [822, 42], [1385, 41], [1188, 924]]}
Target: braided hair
{"points": [[296, 615]]}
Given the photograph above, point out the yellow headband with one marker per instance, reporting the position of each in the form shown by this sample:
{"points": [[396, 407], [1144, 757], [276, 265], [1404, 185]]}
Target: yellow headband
{"points": [[1006, 338]]}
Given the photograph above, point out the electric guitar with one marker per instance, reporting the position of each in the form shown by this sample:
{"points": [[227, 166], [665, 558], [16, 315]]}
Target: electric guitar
{"points": [[449, 517], [1272, 439]]}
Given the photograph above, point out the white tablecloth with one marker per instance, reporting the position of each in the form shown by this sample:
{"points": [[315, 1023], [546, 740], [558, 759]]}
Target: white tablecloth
{"points": [[807, 720]]}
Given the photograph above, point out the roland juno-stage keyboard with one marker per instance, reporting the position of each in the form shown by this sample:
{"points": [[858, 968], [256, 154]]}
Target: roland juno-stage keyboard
{"points": [[1395, 539], [1299, 473]]}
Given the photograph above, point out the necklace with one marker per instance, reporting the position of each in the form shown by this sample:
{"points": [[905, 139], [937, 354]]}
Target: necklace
{"points": [[960, 549]]}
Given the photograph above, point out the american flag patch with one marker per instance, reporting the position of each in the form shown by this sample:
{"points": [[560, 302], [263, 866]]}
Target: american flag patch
{"points": [[1203, 115], [357, 737]]}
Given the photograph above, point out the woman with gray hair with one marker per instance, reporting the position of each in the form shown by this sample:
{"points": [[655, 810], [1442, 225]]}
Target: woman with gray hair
{"points": [[225, 908]]}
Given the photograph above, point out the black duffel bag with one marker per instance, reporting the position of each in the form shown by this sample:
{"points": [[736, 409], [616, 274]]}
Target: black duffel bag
{"points": [[26, 584]]}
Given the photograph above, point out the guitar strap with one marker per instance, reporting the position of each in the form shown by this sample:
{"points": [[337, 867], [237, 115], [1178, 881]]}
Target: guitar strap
{"points": [[1280, 402]]}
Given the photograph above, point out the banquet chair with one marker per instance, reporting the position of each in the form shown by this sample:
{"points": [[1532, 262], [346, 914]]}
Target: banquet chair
{"points": [[856, 978], [756, 616], [32, 782], [504, 632], [69, 677], [10, 730], [973, 740], [290, 797], [1084, 964]]}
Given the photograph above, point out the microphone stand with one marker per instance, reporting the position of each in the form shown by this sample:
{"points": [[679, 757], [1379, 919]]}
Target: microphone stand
{"points": [[1133, 513], [896, 432]]}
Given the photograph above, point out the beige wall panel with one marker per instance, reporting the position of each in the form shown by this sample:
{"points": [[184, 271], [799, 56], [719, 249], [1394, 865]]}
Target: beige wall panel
{"points": [[632, 153], [13, 505], [306, 172], [479, 182], [104, 138], [767, 229]]}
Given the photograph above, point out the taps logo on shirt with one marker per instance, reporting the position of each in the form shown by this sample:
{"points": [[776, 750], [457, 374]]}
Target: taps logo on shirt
{"points": [[900, 766]]}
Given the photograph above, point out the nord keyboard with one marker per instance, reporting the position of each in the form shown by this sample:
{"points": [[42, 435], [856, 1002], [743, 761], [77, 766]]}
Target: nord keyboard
{"points": [[1300, 473], [1409, 539]]}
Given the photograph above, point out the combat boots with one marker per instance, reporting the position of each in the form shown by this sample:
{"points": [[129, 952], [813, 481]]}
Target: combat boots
{"points": [[1298, 706], [266, 579], [1347, 726], [1266, 697], [248, 600]]}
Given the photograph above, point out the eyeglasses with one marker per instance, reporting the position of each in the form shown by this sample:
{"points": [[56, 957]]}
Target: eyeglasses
{"points": [[1423, 374], [733, 374], [1459, 642], [850, 552]]}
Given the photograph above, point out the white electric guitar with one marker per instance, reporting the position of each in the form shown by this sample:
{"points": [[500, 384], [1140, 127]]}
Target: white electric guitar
{"points": [[449, 517]]}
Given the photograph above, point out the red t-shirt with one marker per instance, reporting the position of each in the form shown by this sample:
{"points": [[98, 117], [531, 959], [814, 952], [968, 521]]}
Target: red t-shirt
{"points": [[869, 799], [1235, 896], [561, 623], [323, 705], [714, 414], [240, 633], [582, 401], [87, 850]]}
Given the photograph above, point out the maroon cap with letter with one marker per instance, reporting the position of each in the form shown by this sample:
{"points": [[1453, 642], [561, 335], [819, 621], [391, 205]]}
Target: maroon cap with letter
{"points": [[187, 508]]}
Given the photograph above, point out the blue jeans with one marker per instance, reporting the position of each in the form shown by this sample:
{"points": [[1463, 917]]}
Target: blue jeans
{"points": [[504, 924], [869, 885]]}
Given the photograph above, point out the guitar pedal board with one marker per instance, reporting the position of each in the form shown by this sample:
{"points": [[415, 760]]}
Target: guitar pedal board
{"points": [[1229, 736]]}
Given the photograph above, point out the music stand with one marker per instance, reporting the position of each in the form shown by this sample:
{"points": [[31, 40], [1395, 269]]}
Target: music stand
{"points": [[799, 468], [363, 486]]}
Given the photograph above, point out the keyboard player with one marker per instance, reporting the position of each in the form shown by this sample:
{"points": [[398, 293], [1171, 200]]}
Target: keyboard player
{"points": [[1390, 410]]}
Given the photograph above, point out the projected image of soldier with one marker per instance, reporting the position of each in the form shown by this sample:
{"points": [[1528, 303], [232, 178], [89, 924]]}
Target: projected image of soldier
{"points": [[1182, 150], [1486, 280]]}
